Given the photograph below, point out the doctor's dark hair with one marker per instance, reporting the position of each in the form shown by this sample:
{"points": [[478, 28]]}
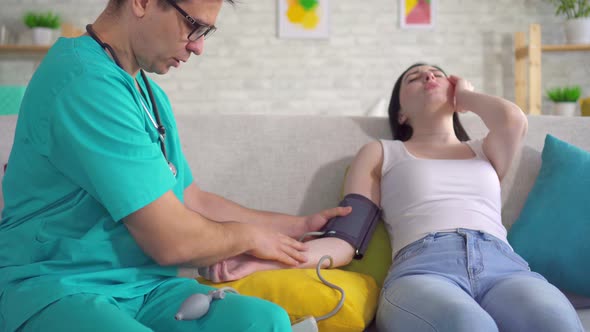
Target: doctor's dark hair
{"points": [[403, 132], [116, 4]]}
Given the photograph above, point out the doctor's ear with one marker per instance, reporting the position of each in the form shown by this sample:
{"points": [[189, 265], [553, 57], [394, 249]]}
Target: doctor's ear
{"points": [[139, 7]]}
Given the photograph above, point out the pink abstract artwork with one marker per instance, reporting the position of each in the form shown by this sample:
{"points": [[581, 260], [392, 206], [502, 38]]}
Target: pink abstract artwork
{"points": [[417, 13]]}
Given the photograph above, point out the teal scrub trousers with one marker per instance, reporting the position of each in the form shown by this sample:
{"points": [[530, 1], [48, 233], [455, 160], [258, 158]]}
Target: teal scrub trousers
{"points": [[155, 312]]}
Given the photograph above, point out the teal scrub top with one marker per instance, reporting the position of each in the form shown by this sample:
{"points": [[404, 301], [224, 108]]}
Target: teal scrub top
{"points": [[85, 156]]}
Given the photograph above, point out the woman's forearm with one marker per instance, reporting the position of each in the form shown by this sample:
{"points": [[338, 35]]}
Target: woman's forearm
{"points": [[241, 266], [496, 113]]}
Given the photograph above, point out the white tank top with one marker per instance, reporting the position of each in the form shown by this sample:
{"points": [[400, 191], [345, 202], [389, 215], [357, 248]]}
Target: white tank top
{"points": [[422, 196]]}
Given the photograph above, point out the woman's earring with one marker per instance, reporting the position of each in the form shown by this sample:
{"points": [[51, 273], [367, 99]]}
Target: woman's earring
{"points": [[401, 119]]}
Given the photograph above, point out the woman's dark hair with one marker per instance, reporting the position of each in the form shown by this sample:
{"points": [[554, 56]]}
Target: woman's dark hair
{"points": [[403, 132]]}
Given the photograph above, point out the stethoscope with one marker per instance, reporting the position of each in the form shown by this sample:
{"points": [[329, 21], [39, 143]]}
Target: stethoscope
{"points": [[158, 122]]}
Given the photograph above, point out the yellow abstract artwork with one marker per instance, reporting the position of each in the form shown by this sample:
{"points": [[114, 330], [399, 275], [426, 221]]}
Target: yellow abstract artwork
{"points": [[303, 18]]}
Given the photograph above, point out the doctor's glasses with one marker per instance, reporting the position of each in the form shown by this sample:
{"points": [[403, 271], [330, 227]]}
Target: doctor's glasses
{"points": [[199, 29]]}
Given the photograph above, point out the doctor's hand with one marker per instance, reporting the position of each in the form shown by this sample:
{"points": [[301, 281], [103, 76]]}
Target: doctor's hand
{"points": [[315, 222], [272, 245], [460, 85]]}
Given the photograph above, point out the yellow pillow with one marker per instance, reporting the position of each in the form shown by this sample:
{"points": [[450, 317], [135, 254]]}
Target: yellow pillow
{"points": [[301, 293]]}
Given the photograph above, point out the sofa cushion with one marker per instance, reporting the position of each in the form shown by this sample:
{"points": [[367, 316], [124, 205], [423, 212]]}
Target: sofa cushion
{"points": [[552, 230], [301, 293]]}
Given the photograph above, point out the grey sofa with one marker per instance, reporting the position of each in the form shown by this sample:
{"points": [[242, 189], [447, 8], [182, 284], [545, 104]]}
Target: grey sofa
{"points": [[295, 164]]}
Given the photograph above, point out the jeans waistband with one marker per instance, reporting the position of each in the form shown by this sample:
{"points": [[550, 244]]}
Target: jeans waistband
{"points": [[464, 232]]}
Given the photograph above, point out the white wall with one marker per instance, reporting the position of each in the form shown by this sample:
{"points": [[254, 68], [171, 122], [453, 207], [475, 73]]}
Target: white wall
{"points": [[246, 69]]}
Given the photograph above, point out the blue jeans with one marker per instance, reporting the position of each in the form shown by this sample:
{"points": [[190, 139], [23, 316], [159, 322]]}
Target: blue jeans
{"points": [[469, 281]]}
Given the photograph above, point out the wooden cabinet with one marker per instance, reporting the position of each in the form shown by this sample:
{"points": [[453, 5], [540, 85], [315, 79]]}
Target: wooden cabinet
{"points": [[527, 67]]}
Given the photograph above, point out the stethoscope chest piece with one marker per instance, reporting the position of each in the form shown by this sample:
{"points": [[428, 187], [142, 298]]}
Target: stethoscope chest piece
{"points": [[172, 168]]}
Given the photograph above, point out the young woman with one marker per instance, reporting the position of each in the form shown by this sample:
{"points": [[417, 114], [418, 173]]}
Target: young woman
{"points": [[453, 269]]}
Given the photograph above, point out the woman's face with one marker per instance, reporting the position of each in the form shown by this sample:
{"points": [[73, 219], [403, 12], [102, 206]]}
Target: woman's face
{"points": [[424, 88]]}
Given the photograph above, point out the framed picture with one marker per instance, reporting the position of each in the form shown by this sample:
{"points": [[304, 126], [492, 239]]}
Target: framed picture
{"points": [[303, 18], [417, 14]]}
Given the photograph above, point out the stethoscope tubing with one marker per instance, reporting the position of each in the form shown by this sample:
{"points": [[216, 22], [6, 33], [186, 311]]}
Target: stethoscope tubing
{"points": [[160, 128]]}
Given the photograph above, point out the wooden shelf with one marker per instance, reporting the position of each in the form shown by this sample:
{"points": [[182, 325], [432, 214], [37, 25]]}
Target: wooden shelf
{"points": [[565, 48], [67, 30], [527, 67], [36, 49]]}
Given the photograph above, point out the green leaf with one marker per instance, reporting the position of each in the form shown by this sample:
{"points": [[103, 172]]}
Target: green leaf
{"points": [[572, 8], [565, 94], [42, 20]]}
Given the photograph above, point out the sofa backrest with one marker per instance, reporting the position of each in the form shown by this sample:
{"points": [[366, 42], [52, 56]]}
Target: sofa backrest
{"points": [[296, 164]]}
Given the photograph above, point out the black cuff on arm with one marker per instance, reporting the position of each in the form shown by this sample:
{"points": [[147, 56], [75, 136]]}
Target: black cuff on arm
{"points": [[358, 226]]}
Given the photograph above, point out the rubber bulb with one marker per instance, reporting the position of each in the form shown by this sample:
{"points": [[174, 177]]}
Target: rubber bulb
{"points": [[194, 307]]}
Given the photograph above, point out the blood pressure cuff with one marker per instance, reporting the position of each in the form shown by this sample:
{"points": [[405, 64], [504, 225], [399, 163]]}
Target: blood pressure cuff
{"points": [[358, 226]]}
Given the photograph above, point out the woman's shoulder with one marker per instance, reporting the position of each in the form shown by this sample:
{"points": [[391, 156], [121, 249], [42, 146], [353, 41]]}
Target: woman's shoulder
{"points": [[390, 143], [391, 146], [389, 152], [380, 146], [370, 150]]}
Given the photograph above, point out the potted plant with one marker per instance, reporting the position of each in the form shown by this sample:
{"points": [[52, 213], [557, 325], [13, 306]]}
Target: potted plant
{"points": [[565, 99], [42, 25], [577, 24]]}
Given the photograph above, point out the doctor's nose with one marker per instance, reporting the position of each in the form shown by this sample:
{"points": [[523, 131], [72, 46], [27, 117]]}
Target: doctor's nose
{"points": [[197, 46]]}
